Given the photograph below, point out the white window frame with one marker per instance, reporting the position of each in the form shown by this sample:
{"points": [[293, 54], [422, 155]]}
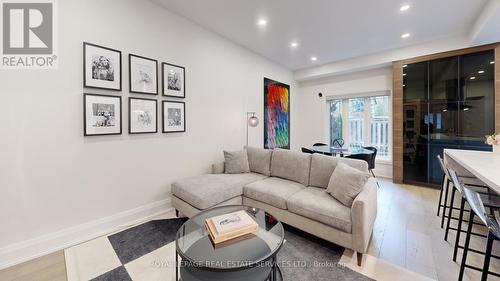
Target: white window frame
{"points": [[366, 120]]}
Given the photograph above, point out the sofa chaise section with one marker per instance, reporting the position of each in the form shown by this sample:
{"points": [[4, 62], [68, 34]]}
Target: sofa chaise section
{"points": [[206, 191]]}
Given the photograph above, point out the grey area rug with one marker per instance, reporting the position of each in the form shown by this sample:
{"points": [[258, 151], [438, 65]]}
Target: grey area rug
{"points": [[305, 257]]}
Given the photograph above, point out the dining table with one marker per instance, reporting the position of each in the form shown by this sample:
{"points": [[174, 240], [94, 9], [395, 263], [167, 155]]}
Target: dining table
{"points": [[483, 165], [341, 151]]}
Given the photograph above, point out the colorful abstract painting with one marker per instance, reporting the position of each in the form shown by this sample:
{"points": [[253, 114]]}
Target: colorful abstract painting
{"points": [[276, 114]]}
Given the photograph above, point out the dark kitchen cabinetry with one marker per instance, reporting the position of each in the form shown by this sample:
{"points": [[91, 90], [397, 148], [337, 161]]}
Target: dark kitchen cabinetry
{"points": [[447, 103]]}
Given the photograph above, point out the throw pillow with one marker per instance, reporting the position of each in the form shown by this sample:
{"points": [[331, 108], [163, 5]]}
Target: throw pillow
{"points": [[259, 160], [346, 183], [236, 162]]}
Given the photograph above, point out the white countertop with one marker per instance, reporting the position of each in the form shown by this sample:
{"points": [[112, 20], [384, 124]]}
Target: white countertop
{"points": [[484, 165]]}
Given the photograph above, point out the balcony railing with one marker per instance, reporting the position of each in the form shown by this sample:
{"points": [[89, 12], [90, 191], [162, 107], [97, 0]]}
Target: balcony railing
{"points": [[379, 134], [356, 132]]}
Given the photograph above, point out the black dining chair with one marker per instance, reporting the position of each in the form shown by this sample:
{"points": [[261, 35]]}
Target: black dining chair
{"points": [[371, 164], [320, 144], [307, 150], [369, 158], [364, 157]]}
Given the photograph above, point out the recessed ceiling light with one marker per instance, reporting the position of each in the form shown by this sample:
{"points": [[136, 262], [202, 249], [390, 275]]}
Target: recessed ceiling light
{"points": [[473, 78], [405, 65], [444, 110], [262, 22], [466, 109], [404, 8], [480, 71], [405, 35], [314, 58], [492, 62], [294, 44]]}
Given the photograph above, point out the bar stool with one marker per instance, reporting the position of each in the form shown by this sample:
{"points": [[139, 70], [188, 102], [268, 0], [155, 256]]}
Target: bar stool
{"points": [[490, 201], [478, 208], [445, 186], [457, 186]]}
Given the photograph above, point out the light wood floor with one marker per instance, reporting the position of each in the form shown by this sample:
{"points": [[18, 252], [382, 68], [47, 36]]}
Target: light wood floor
{"points": [[47, 268], [407, 233]]}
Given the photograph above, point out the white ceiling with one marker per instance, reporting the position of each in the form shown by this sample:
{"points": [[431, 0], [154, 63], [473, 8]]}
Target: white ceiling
{"points": [[331, 30]]}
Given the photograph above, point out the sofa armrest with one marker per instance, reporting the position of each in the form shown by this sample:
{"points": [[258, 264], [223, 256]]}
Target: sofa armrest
{"points": [[218, 168], [363, 215]]}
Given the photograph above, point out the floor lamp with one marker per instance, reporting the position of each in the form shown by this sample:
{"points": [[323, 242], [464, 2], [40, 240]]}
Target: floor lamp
{"points": [[252, 121]]}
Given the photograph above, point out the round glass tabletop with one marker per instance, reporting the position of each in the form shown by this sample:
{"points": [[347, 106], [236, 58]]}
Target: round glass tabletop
{"points": [[194, 245]]}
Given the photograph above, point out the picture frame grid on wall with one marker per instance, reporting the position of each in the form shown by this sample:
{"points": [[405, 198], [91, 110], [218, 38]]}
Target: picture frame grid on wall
{"points": [[102, 115], [102, 67], [173, 116], [173, 80], [143, 75], [140, 119]]}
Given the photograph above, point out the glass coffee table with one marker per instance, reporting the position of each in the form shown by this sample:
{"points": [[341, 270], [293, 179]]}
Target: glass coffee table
{"points": [[252, 257]]}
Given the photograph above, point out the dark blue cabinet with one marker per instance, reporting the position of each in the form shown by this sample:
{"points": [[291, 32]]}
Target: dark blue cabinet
{"points": [[448, 103]]}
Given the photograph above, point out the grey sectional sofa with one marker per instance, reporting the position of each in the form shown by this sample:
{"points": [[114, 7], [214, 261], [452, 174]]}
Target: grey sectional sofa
{"points": [[292, 187]]}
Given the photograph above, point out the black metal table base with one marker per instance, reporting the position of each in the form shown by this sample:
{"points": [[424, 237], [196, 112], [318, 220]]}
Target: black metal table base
{"points": [[264, 273]]}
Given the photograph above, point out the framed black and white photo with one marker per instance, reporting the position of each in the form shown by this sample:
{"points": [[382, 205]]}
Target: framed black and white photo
{"points": [[143, 75], [174, 80], [102, 67], [174, 116], [142, 116], [102, 115]]}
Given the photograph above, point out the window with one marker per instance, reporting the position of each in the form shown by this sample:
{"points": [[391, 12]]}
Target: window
{"points": [[379, 125], [366, 123], [356, 118], [335, 120]]}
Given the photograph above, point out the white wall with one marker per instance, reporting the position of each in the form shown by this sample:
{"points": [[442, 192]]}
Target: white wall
{"points": [[52, 178], [313, 111]]}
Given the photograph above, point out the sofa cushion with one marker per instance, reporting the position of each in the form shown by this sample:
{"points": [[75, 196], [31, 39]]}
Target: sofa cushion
{"points": [[236, 162], [259, 160], [322, 167], [346, 183], [291, 165], [206, 191], [315, 203], [273, 191]]}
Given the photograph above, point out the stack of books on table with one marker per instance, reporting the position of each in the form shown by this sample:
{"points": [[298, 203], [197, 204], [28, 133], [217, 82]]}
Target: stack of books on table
{"points": [[230, 226]]}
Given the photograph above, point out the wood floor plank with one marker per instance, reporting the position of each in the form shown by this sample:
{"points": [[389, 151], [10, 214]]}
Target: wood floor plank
{"points": [[51, 267]]}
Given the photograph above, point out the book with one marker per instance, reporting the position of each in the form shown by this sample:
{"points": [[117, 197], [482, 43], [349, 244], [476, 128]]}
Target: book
{"points": [[229, 226]]}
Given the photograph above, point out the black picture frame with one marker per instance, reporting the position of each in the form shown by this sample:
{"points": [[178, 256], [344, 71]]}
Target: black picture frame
{"points": [[267, 107], [130, 74], [130, 116], [165, 80], [85, 133], [163, 116], [85, 82]]}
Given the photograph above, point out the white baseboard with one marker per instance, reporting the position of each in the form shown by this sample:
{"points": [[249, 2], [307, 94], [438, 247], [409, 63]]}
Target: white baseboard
{"points": [[26, 250]]}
